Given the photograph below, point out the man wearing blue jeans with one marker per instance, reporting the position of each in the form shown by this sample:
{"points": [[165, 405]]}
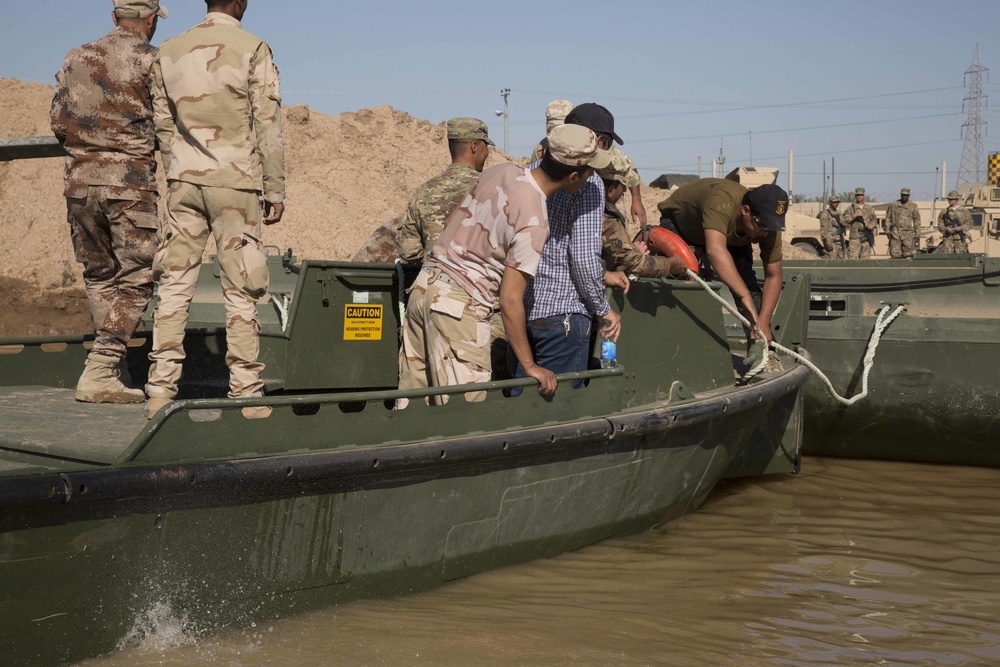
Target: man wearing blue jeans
{"points": [[567, 292]]}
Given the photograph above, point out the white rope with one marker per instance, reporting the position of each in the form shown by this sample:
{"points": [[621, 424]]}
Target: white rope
{"points": [[402, 292], [282, 305], [882, 322]]}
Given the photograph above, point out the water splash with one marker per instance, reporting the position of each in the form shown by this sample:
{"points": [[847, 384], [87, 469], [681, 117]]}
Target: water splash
{"points": [[157, 629]]}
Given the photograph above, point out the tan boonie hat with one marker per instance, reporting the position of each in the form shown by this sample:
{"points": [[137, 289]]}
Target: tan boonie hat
{"points": [[576, 146], [859, 191], [954, 195], [469, 129], [139, 9], [620, 169], [834, 199], [556, 113], [904, 191]]}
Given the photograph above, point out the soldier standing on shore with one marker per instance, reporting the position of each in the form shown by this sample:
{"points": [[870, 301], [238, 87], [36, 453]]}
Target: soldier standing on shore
{"points": [[102, 115], [861, 221], [217, 106], [830, 227], [423, 221], [952, 223], [902, 223]]}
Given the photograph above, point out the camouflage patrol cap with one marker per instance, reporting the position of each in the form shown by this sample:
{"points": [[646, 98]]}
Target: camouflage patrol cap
{"points": [[954, 195], [576, 146], [556, 113], [469, 129], [620, 169], [834, 199], [139, 9], [904, 191], [859, 191]]}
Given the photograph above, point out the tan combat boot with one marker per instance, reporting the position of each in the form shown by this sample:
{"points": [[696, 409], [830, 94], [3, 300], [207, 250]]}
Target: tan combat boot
{"points": [[99, 384], [154, 404]]}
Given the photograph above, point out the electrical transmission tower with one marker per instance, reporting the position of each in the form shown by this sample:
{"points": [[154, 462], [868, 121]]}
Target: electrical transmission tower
{"points": [[973, 167]]}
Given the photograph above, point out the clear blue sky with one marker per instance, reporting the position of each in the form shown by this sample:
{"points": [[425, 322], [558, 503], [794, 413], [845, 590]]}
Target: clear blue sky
{"points": [[831, 79]]}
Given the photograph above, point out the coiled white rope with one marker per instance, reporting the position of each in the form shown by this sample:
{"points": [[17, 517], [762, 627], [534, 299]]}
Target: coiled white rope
{"points": [[282, 306], [882, 322]]}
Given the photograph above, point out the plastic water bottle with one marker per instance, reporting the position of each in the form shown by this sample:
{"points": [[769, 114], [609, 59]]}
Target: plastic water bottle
{"points": [[609, 354]]}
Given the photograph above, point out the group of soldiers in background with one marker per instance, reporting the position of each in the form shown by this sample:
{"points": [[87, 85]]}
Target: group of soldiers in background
{"points": [[209, 100], [850, 234]]}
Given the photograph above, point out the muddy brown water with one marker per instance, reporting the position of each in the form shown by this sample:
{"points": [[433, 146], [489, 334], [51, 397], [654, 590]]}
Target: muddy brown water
{"points": [[848, 563]]}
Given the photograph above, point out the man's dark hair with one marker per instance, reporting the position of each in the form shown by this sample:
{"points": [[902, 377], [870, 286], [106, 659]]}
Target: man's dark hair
{"points": [[215, 4], [458, 146], [557, 171]]}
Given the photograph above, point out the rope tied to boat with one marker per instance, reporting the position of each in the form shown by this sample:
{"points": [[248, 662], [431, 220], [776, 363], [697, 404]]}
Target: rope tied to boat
{"points": [[882, 322]]}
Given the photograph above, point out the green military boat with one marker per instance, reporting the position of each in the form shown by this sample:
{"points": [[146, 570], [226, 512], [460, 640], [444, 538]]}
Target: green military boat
{"points": [[213, 519], [934, 395]]}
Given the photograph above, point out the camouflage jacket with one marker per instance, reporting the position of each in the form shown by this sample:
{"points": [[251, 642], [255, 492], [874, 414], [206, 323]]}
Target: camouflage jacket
{"points": [[902, 218], [217, 104], [830, 224], [954, 217], [102, 115], [619, 254], [423, 221], [852, 212]]}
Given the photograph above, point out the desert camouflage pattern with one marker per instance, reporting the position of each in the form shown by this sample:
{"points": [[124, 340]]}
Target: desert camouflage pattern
{"points": [[115, 240], [102, 115], [503, 221], [539, 150], [833, 233], [902, 224], [421, 224], [555, 113], [233, 217], [619, 254], [446, 337], [380, 246], [954, 223], [468, 129], [217, 105], [860, 243]]}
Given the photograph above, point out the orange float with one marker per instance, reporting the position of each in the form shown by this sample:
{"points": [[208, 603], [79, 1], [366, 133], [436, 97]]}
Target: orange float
{"points": [[668, 244]]}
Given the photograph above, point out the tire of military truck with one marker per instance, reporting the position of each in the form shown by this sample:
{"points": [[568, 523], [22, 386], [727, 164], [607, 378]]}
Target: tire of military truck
{"points": [[806, 247]]}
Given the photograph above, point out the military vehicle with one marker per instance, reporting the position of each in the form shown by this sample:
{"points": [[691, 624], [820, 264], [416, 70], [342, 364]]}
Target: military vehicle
{"points": [[214, 519]]}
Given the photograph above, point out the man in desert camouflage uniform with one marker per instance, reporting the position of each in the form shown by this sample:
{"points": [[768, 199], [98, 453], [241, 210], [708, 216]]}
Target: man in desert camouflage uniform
{"points": [[953, 223], [102, 115], [902, 223], [555, 115], [861, 220], [490, 248], [832, 231], [217, 106], [422, 223], [617, 251]]}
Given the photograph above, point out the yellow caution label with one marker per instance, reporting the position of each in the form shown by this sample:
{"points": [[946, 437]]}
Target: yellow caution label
{"points": [[362, 321]]}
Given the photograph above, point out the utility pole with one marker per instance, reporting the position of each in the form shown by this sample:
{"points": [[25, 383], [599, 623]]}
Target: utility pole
{"points": [[721, 161], [504, 92], [973, 165], [824, 181]]}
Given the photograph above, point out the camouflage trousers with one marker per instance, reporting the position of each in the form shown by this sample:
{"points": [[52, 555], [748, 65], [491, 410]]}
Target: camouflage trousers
{"points": [[859, 247], [115, 240], [233, 217], [446, 337], [901, 244], [953, 243]]}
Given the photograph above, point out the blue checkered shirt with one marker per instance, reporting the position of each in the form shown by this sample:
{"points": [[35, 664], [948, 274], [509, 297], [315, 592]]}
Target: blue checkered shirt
{"points": [[570, 277]]}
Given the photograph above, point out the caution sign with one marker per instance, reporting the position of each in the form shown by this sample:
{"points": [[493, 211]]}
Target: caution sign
{"points": [[362, 321]]}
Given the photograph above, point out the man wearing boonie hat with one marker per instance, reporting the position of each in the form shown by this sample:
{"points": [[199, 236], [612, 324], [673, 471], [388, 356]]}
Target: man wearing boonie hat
{"points": [[831, 229], [618, 252], [568, 292], [490, 248], [952, 223], [555, 115], [721, 219], [860, 219], [902, 224], [423, 221], [102, 114]]}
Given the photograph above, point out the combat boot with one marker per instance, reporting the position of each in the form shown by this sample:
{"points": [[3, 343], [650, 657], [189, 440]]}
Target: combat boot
{"points": [[99, 384], [154, 404]]}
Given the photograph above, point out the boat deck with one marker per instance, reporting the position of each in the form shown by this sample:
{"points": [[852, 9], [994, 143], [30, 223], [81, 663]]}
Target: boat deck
{"points": [[48, 422]]}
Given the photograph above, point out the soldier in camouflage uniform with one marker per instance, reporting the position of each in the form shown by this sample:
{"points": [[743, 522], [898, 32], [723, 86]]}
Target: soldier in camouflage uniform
{"points": [[102, 115], [555, 115], [617, 251], [423, 221], [217, 106], [902, 223], [953, 223], [832, 227], [490, 247], [861, 221]]}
